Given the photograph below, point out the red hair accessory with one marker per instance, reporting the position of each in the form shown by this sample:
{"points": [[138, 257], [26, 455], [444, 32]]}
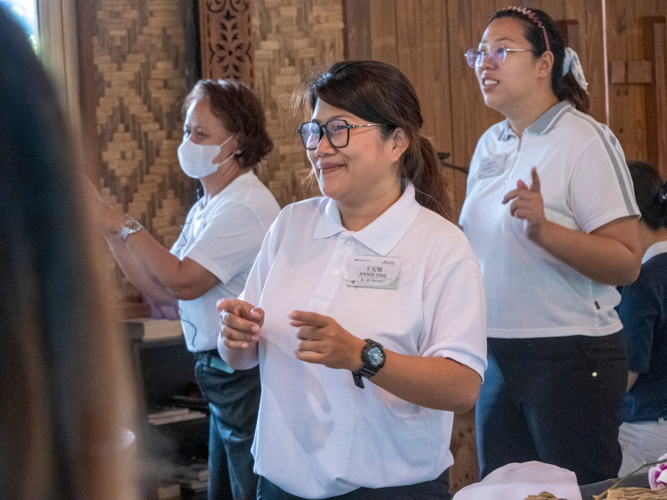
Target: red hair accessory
{"points": [[531, 15]]}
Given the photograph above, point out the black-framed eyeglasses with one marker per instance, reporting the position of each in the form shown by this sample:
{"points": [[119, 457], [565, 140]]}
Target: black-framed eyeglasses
{"points": [[496, 55], [336, 130]]}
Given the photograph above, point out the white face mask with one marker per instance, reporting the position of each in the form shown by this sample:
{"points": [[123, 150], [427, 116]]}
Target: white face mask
{"points": [[197, 160]]}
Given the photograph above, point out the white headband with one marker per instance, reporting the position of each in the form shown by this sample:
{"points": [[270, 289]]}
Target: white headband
{"points": [[571, 62]]}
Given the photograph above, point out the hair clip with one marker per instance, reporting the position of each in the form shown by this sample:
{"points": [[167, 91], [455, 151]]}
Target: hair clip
{"points": [[533, 17], [571, 63], [662, 193]]}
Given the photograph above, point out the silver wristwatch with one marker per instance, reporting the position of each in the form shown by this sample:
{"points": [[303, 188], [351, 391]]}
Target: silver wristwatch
{"points": [[130, 227]]}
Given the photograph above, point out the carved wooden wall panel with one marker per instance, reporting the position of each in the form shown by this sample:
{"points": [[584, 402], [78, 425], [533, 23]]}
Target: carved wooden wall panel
{"points": [[226, 45], [139, 56], [291, 37]]}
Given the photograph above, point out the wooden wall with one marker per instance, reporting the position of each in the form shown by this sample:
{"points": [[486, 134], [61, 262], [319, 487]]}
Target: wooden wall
{"points": [[632, 105], [291, 38], [426, 39], [139, 69]]}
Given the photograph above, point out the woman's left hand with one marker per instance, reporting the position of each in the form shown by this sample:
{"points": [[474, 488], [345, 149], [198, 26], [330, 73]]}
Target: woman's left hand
{"points": [[325, 342], [528, 205]]}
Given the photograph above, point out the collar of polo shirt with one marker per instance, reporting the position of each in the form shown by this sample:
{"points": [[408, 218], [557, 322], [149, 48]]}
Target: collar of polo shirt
{"points": [[383, 233], [541, 126]]}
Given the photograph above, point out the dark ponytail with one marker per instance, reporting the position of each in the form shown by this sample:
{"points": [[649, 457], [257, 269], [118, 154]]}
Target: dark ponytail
{"points": [[650, 193], [421, 166], [380, 93], [565, 87]]}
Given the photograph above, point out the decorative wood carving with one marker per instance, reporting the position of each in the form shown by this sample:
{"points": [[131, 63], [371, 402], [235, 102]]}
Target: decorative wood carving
{"points": [[226, 39]]}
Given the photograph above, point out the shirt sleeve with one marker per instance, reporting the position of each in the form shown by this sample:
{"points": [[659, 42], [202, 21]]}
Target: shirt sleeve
{"points": [[639, 312], [455, 316], [252, 293], [600, 188], [229, 242]]}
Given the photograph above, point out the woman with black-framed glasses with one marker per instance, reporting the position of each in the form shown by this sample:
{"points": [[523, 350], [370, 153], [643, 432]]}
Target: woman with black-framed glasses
{"points": [[551, 215], [336, 130], [365, 307]]}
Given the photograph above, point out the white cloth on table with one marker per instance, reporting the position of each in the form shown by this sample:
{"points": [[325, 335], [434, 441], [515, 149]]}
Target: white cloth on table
{"points": [[518, 480]]}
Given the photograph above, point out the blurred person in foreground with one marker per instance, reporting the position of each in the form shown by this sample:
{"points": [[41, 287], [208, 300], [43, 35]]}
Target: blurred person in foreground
{"points": [[65, 395]]}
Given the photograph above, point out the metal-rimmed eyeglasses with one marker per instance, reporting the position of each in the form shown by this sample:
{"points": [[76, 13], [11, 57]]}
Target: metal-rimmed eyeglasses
{"points": [[336, 130], [496, 55]]}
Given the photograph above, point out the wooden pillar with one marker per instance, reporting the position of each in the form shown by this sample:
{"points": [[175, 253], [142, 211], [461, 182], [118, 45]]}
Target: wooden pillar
{"points": [[226, 34], [656, 95], [357, 30], [91, 158]]}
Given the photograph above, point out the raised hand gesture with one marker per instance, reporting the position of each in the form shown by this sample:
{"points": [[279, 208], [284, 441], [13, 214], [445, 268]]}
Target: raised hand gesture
{"points": [[528, 205]]}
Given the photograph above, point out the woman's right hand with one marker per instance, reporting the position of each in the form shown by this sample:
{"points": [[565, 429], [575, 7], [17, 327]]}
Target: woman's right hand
{"points": [[241, 323]]}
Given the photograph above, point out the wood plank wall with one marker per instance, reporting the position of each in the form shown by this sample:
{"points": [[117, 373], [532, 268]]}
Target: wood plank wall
{"points": [[627, 102], [426, 39]]}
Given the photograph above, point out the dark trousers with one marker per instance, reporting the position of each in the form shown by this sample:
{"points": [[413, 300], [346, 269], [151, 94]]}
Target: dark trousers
{"points": [[555, 400], [438, 489], [234, 402]]}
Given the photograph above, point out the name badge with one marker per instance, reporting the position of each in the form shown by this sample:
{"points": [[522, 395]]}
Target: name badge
{"points": [[491, 166], [373, 272]]}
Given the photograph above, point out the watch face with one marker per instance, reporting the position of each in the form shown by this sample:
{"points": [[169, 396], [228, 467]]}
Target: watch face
{"points": [[375, 356]]}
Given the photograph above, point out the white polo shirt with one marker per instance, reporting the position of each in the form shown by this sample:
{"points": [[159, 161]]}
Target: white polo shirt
{"points": [[318, 435], [585, 184], [224, 236]]}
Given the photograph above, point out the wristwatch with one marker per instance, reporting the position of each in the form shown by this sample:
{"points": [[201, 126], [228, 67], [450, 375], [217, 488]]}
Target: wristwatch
{"points": [[372, 357], [130, 227]]}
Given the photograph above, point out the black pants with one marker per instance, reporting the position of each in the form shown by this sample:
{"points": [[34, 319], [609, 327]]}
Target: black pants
{"points": [[557, 400], [438, 489], [234, 402]]}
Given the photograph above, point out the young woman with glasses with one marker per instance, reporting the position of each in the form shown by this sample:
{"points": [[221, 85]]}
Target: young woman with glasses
{"points": [[365, 308], [551, 215]]}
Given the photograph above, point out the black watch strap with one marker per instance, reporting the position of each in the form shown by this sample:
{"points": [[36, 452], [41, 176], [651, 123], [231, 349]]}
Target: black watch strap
{"points": [[358, 380], [368, 369]]}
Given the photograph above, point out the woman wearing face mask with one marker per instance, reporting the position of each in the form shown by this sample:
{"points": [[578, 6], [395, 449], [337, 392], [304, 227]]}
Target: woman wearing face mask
{"points": [[552, 218], [224, 137], [365, 307]]}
